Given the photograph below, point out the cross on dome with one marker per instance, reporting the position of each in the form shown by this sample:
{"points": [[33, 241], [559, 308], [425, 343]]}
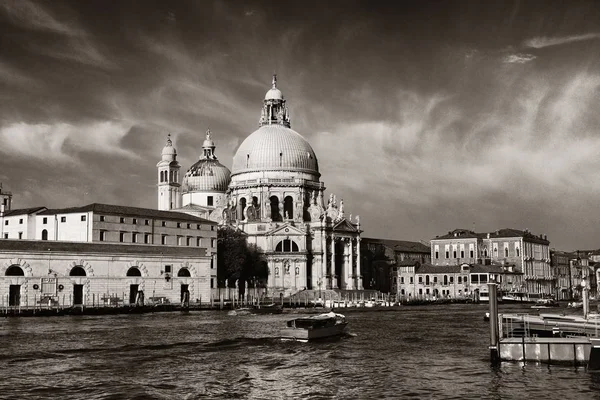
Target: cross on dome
{"points": [[169, 141]]}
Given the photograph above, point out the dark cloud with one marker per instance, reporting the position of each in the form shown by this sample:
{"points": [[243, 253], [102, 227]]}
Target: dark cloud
{"points": [[425, 116]]}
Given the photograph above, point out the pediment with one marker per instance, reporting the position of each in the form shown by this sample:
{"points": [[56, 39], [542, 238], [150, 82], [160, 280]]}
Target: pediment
{"points": [[287, 229], [345, 226]]}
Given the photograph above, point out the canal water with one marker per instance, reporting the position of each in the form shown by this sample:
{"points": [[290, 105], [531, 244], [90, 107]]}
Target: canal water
{"points": [[435, 352]]}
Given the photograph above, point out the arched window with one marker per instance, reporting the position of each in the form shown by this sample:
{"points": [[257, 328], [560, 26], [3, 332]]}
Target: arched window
{"points": [[256, 206], [184, 273], [44, 234], [275, 215], [77, 271], [445, 279], [485, 253], [427, 279], [133, 271], [518, 251], [288, 207], [14, 270], [242, 208], [506, 252], [286, 246]]}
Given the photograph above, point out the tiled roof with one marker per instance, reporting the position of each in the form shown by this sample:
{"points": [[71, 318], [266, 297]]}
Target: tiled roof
{"points": [[438, 269], [124, 210], [481, 269], [461, 234], [23, 211], [400, 245], [86, 247], [407, 263]]}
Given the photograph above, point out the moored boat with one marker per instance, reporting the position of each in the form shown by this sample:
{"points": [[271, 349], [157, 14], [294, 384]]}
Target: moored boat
{"points": [[315, 327], [545, 303], [258, 309]]}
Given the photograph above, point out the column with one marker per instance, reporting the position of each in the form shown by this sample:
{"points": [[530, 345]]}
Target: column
{"points": [[323, 270], [351, 266], [332, 271], [359, 282]]}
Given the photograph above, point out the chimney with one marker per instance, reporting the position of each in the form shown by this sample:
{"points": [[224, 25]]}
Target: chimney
{"points": [[1, 210], [488, 235]]}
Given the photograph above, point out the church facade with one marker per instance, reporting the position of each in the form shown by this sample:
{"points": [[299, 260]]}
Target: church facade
{"points": [[274, 194]]}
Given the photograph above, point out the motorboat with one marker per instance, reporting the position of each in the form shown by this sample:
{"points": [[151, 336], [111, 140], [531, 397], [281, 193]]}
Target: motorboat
{"points": [[258, 309], [545, 303], [516, 297], [314, 327]]}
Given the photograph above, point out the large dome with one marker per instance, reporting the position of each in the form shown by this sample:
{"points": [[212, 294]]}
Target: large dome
{"points": [[206, 175], [275, 148]]}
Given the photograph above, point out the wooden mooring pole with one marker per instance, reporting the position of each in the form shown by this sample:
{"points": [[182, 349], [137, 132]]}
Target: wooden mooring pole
{"points": [[494, 334]]}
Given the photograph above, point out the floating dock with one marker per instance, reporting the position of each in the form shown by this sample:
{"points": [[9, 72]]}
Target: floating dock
{"points": [[524, 338]]}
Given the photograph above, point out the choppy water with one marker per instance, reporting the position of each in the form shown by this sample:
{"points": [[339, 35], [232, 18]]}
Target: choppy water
{"points": [[418, 352]]}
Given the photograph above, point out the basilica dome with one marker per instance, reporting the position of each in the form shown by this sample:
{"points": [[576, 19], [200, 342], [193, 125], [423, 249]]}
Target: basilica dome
{"points": [[275, 147], [207, 174]]}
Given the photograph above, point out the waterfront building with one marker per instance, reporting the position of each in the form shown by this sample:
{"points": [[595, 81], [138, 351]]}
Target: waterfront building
{"points": [[427, 281], [380, 257], [275, 196], [522, 253], [99, 253], [57, 273]]}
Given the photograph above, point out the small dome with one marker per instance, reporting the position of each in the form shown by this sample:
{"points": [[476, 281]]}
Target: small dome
{"points": [[168, 152], [206, 175], [274, 94], [275, 147]]}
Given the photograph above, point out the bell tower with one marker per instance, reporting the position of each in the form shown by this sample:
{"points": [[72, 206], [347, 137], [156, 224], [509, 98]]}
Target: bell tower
{"points": [[169, 186]]}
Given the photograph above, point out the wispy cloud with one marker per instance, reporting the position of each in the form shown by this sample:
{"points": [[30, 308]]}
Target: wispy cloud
{"points": [[74, 43], [53, 142], [536, 138], [520, 58], [33, 15], [544, 41]]}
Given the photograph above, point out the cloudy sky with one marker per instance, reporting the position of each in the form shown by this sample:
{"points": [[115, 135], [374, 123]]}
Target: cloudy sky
{"points": [[425, 116]]}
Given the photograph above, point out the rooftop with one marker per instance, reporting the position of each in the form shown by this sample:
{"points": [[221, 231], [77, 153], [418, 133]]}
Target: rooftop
{"points": [[111, 248], [400, 245], [23, 211], [124, 210]]}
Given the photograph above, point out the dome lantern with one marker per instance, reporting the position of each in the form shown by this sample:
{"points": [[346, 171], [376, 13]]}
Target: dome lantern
{"points": [[208, 147], [274, 110]]}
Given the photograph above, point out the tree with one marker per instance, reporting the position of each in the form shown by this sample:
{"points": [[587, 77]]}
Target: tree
{"points": [[238, 260]]}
